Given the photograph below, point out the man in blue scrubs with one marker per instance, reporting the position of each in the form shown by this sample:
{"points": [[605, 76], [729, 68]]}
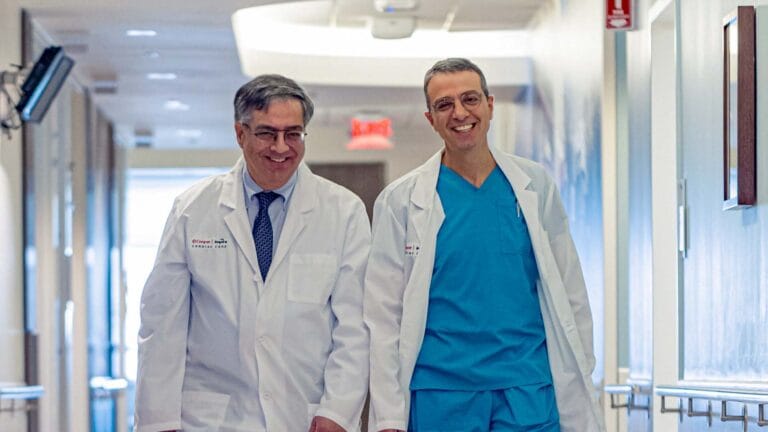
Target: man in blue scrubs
{"points": [[475, 300]]}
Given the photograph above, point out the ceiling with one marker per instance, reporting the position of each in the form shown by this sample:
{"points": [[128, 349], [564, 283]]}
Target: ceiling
{"points": [[195, 41]]}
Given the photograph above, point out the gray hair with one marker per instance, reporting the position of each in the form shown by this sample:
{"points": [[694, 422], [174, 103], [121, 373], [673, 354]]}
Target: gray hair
{"points": [[259, 92], [453, 65]]}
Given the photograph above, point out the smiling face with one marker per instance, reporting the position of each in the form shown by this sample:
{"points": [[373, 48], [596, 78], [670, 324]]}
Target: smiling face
{"points": [[459, 111], [271, 164]]}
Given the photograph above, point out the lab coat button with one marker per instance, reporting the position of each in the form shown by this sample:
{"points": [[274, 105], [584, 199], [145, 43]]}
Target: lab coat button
{"points": [[262, 340], [267, 396]]}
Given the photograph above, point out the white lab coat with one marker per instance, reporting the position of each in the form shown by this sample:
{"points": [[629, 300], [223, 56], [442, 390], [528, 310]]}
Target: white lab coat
{"points": [[407, 217], [216, 342]]}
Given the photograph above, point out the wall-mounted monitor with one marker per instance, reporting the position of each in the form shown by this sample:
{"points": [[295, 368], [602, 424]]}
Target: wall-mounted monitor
{"points": [[43, 83]]}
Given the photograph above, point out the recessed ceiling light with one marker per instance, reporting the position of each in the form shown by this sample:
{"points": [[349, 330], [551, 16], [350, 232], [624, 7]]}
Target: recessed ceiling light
{"points": [[161, 76], [152, 54], [140, 33], [175, 105]]}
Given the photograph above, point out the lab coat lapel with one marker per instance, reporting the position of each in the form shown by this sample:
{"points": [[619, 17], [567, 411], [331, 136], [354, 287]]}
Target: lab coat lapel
{"points": [[425, 201], [236, 217], [426, 216], [303, 202]]}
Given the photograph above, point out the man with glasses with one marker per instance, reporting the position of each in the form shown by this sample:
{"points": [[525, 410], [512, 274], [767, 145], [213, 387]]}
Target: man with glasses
{"points": [[475, 300], [251, 319]]}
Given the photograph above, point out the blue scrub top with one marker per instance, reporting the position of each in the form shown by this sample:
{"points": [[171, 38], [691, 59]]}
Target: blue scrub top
{"points": [[484, 327]]}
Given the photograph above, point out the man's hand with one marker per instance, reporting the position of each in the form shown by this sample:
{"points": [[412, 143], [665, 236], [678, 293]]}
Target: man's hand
{"points": [[322, 424]]}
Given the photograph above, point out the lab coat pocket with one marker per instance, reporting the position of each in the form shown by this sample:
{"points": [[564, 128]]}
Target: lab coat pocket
{"points": [[202, 410], [514, 235], [311, 278]]}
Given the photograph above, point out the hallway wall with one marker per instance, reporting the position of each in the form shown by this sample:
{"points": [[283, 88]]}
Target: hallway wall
{"points": [[11, 292], [560, 126], [636, 90], [638, 100], [724, 293], [726, 274]]}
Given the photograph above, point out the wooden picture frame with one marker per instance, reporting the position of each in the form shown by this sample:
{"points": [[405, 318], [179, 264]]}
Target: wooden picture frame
{"points": [[739, 104]]}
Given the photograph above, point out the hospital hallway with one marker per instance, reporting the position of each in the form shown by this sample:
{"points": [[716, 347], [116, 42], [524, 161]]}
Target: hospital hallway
{"points": [[648, 115]]}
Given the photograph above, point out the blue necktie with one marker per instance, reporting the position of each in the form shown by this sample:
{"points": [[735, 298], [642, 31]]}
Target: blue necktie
{"points": [[262, 232]]}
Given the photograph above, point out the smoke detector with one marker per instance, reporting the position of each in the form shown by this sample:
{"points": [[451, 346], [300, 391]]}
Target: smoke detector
{"points": [[395, 5], [393, 27]]}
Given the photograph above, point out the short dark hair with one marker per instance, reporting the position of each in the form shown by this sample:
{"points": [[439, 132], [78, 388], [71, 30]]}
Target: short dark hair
{"points": [[259, 92], [453, 65]]}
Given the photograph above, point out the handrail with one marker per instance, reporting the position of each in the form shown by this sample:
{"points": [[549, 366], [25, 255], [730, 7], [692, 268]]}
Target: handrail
{"points": [[641, 386], [29, 395], [22, 392], [108, 383], [714, 393], [632, 389], [722, 395], [617, 388], [107, 387]]}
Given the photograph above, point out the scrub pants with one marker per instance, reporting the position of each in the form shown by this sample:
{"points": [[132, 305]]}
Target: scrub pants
{"points": [[529, 408]]}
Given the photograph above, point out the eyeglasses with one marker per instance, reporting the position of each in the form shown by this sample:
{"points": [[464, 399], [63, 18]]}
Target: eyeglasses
{"points": [[269, 136], [469, 99]]}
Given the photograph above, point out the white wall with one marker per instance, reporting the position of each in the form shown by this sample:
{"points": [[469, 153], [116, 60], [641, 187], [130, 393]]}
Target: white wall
{"points": [[724, 284], [565, 136], [726, 274], [11, 291]]}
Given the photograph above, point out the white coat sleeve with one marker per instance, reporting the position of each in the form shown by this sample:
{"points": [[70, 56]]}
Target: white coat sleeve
{"points": [[383, 309], [346, 372], [566, 256], [163, 332]]}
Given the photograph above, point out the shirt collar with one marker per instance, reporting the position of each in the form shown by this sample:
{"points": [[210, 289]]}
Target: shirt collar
{"points": [[285, 191]]}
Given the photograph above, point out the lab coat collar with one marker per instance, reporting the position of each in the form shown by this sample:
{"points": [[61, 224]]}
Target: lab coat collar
{"points": [[232, 199], [425, 189], [519, 180], [232, 190]]}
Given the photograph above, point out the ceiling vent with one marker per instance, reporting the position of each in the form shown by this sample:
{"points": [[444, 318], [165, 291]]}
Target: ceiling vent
{"points": [[395, 5], [393, 27]]}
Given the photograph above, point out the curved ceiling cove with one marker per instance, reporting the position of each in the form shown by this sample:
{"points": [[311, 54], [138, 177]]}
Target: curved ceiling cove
{"points": [[337, 40]]}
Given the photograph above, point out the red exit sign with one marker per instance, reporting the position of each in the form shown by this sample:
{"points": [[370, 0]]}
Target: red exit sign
{"points": [[620, 14], [381, 127], [370, 134]]}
